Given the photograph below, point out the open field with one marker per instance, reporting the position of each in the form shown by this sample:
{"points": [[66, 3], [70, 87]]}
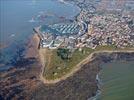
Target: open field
{"points": [[118, 81], [55, 67]]}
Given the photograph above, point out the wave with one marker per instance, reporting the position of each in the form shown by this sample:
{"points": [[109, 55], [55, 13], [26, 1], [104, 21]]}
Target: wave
{"points": [[62, 1]]}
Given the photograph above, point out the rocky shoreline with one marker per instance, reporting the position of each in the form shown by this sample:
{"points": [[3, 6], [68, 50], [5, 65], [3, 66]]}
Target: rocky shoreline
{"points": [[23, 81]]}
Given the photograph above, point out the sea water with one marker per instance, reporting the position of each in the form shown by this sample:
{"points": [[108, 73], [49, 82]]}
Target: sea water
{"points": [[19, 17], [117, 81]]}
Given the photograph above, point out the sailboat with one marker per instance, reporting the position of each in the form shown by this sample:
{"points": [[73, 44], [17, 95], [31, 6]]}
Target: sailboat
{"points": [[32, 20]]}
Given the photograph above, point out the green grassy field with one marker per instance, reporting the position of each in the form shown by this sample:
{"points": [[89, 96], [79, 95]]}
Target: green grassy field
{"points": [[58, 67], [118, 81]]}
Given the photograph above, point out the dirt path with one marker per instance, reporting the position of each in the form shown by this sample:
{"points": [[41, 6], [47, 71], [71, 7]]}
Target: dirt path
{"points": [[77, 67], [45, 58]]}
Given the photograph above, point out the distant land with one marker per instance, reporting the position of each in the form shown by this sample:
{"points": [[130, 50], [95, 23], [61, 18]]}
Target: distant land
{"points": [[62, 61]]}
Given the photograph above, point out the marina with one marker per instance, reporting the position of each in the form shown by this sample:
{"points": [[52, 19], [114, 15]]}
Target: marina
{"points": [[61, 28]]}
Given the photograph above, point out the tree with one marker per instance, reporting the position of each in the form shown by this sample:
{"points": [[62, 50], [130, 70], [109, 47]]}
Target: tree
{"points": [[63, 53]]}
